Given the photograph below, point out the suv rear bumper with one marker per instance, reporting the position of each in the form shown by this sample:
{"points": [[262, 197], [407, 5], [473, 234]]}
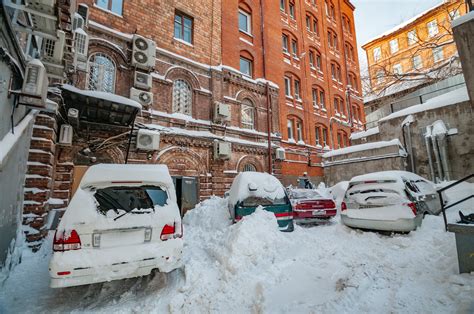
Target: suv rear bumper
{"points": [[88, 266]]}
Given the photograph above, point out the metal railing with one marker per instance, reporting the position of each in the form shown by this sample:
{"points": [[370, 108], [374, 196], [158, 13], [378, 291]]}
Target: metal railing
{"points": [[440, 193]]}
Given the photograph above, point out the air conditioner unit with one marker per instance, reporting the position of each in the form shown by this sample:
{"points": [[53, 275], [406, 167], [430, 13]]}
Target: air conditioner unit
{"points": [[143, 52], [222, 112], [53, 50], [65, 135], [280, 154], [148, 139], [142, 80], [77, 21], [144, 98], [35, 85], [83, 10], [222, 150]]}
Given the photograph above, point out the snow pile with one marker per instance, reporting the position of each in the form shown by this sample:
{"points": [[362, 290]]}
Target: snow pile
{"points": [[363, 147], [366, 133], [338, 191], [252, 267]]}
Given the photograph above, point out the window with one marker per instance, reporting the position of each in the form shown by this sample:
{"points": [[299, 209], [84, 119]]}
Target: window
{"points": [[182, 97], [183, 27], [245, 21], [322, 100], [299, 131], [393, 46], [417, 62], [285, 43], [332, 40], [325, 137], [330, 12], [291, 7], [318, 97], [339, 105], [248, 114], [287, 86], [315, 27], [297, 89], [397, 69], [101, 73], [312, 24], [289, 125], [318, 61], [308, 23], [438, 54], [377, 54], [249, 167], [432, 28], [380, 77], [318, 136], [311, 59], [454, 14], [282, 5], [336, 72], [114, 6], [349, 51], [346, 24], [339, 140], [412, 38], [314, 94], [246, 66], [294, 48]]}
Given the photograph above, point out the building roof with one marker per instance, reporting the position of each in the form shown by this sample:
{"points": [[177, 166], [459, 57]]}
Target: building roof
{"points": [[404, 24]]}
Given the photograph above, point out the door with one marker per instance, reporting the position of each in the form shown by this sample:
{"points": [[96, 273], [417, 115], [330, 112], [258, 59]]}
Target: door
{"points": [[186, 193]]}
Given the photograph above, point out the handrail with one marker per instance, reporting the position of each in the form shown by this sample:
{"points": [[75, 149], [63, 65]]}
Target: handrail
{"points": [[440, 193]]}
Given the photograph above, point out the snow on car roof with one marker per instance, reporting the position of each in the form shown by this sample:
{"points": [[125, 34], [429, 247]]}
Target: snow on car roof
{"points": [[386, 175], [106, 173], [262, 185]]}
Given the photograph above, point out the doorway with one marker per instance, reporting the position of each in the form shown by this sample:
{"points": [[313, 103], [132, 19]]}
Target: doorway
{"points": [[186, 192]]}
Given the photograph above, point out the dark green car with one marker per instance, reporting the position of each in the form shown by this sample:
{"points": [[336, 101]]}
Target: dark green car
{"points": [[252, 189]]}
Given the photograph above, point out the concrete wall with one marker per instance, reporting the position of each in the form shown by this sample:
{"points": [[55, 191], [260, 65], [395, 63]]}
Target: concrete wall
{"points": [[460, 146], [344, 167], [463, 36], [13, 167]]}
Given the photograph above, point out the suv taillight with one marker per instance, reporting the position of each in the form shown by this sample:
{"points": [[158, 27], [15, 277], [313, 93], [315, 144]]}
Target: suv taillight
{"points": [[66, 241], [412, 207], [170, 232], [343, 206]]}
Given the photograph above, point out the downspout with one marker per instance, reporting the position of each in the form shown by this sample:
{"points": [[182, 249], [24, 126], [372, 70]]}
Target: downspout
{"points": [[437, 157], [428, 152], [441, 139], [268, 100]]}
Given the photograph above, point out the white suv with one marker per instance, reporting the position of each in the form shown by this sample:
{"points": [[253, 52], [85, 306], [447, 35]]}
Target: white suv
{"points": [[122, 222]]}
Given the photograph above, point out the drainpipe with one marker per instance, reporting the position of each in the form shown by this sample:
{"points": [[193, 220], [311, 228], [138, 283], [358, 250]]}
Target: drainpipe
{"points": [[437, 157], [441, 139], [428, 152], [409, 146], [268, 100]]}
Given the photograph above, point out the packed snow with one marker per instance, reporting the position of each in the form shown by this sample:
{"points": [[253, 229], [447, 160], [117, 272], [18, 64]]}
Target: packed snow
{"points": [[252, 267], [363, 147], [366, 133]]}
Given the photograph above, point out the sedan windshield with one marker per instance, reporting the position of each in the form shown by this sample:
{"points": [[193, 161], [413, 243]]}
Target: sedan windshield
{"points": [[126, 198]]}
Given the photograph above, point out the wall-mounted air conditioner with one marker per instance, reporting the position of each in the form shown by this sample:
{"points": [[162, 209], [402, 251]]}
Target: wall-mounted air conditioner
{"points": [[222, 150], [144, 98], [52, 51], [280, 153], [142, 80], [35, 85], [143, 52], [65, 135], [222, 112], [148, 139]]}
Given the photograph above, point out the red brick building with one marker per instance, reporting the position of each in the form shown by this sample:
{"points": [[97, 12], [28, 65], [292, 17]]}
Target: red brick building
{"points": [[309, 48]]}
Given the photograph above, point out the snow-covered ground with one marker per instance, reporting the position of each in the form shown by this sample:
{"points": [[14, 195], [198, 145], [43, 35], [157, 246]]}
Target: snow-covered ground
{"points": [[252, 267]]}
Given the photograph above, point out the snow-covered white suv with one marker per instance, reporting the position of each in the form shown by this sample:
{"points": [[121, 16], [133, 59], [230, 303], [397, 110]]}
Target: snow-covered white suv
{"points": [[122, 222]]}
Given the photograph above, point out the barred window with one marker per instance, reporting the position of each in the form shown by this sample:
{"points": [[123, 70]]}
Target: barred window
{"points": [[248, 115], [249, 167], [101, 73], [182, 97]]}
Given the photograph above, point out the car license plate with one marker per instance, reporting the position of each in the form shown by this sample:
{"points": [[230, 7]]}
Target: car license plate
{"points": [[318, 212]]}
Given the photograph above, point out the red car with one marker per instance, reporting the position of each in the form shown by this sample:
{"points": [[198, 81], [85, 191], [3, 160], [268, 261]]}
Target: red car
{"points": [[310, 206]]}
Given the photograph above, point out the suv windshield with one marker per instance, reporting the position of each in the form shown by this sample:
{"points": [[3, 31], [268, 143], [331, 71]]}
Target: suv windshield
{"points": [[254, 201], [130, 198]]}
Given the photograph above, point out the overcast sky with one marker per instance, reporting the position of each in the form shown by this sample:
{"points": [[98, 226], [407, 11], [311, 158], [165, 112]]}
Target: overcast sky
{"points": [[373, 17]]}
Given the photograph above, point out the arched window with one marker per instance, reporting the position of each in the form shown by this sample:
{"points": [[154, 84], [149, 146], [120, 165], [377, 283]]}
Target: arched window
{"points": [[101, 73], [249, 167], [247, 115], [182, 97]]}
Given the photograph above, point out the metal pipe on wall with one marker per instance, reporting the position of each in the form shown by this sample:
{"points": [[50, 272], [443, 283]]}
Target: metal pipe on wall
{"points": [[428, 152], [442, 143], [437, 157]]}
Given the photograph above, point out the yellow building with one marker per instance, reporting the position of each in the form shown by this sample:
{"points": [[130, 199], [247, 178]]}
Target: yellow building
{"points": [[415, 50]]}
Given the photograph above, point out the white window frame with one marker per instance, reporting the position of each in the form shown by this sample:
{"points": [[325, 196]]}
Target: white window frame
{"points": [[432, 27], [397, 69], [438, 54], [249, 22], [377, 53], [287, 86], [285, 43], [417, 62], [289, 127], [250, 66], [101, 68], [178, 103], [412, 37], [380, 77], [247, 110], [393, 45], [299, 130]]}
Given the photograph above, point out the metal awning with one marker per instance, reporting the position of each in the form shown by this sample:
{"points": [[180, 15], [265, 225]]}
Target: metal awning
{"points": [[100, 107]]}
